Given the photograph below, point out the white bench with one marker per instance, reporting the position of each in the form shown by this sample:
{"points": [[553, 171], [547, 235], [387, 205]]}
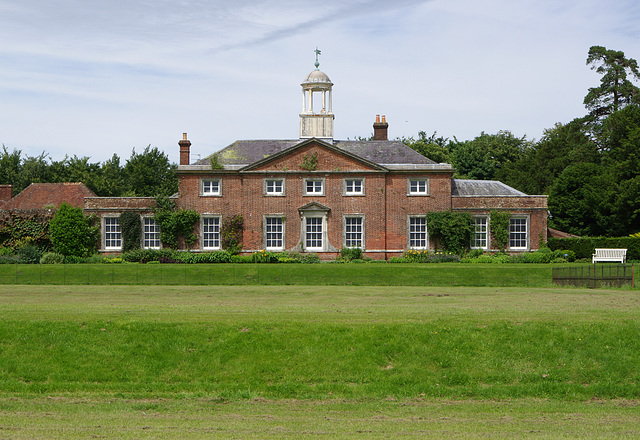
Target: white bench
{"points": [[606, 255]]}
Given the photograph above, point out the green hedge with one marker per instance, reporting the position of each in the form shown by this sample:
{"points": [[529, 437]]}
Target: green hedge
{"points": [[584, 247]]}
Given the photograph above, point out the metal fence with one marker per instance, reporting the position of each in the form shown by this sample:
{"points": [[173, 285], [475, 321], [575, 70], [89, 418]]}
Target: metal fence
{"points": [[595, 275]]}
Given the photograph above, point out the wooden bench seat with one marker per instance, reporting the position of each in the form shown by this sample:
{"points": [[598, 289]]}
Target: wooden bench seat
{"points": [[610, 255]]}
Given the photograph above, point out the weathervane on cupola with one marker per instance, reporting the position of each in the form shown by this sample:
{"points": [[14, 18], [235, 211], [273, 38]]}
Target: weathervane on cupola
{"points": [[316, 124]]}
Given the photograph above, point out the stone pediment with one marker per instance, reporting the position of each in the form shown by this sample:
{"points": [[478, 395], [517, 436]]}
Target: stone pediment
{"points": [[313, 207], [324, 157]]}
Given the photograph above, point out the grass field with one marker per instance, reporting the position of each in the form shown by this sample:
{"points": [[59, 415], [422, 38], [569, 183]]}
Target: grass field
{"points": [[525, 275], [318, 362]]}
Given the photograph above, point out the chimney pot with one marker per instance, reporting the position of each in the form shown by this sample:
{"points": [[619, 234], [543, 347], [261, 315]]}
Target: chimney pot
{"points": [[380, 129], [185, 150]]}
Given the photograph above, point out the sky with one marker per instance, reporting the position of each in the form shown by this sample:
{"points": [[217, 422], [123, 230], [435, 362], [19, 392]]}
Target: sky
{"points": [[94, 78]]}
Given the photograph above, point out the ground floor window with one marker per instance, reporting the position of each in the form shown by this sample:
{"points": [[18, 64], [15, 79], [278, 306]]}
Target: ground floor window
{"points": [[211, 232], [274, 233], [151, 231], [480, 233], [418, 232], [518, 233], [112, 233], [314, 233], [354, 232]]}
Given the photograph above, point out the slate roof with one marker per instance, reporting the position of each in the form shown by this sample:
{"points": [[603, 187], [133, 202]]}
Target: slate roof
{"points": [[50, 195], [466, 188], [246, 152]]}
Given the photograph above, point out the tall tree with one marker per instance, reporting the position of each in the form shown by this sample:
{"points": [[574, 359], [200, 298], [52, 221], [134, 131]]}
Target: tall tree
{"points": [[482, 157], [150, 174], [616, 90], [434, 147]]}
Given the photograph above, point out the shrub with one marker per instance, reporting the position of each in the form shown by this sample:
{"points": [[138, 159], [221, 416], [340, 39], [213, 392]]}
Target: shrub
{"points": [[241, 259], [9, 259], [73, 259], [146, 255], [52, 258], [203, 258], [73, 233], [350, 254], [114, 260], [93, 259], [29, 254], [399, 260], [264, 257]]}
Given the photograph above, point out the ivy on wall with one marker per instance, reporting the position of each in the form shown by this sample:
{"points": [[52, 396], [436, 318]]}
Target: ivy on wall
{"points": [[499, 225], [231, 233], [452, 230], [175, 224], [131, 228], [18, 227]]}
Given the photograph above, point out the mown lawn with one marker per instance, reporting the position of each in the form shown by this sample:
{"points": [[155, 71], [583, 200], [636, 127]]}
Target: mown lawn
{"points": [[318, 362], [372, 274]]}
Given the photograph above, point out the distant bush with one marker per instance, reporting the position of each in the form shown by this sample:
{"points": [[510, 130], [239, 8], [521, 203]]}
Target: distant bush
{"points": [[52, 258], [350, 254], [29, 254], [203, 257], [72, 232]]}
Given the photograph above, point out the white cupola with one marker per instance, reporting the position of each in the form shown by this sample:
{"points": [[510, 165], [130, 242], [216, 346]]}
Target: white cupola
{"points": [[316, 119]]}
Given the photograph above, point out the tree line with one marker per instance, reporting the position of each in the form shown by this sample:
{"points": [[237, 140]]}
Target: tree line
{"points": [[589, 167], [145, 174]]}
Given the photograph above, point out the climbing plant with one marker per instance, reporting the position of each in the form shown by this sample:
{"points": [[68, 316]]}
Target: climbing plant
{"points": [[231, 233], [18, 227], [310, 163], [131, 230], [499, 225], [175, 223], [452, 230]]}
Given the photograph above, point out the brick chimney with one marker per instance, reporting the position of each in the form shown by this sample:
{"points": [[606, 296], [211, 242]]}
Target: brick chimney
{"points": [[380, 129], [185, 147], [6, 193]]}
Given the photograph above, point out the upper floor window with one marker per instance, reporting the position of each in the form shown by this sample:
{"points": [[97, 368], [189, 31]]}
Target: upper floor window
{"points": [[211, 187], [313, 187], [418, 187], [274, 187], [354, 187]]}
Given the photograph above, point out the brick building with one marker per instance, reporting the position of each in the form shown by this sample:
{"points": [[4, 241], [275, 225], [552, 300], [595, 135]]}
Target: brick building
{"points": [[317, 194]]}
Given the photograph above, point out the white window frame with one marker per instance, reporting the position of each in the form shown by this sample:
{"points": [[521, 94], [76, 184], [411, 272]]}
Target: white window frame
{"points": [[267, 219], [480, 230], [350, 192], [410, 238], [206, 187], [116, 231], [267, 191], [323, 233], [204, 237], [305, 191], [421, 186], [345, 230], [154, 230], [517, 229]]}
